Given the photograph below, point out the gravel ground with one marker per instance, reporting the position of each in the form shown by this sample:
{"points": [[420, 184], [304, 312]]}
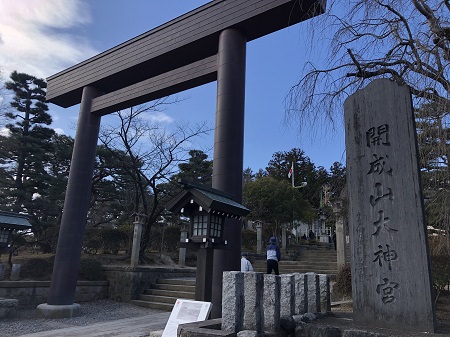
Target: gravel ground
{"points": [[25, 321]]}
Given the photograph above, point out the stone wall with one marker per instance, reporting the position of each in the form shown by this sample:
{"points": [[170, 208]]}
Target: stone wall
{"points": [[127, 283], [123, 284], [243, 307], [32, 293]]}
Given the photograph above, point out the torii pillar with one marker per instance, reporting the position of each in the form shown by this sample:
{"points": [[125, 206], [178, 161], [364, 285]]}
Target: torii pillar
{"points": [[61, 302], [229, 150]]}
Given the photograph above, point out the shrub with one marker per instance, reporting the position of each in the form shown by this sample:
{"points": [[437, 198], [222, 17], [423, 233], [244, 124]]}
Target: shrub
{"points": [[171, 238], [249, 239], [440, 269], [155, 242], [343, 285], [38, 269], [439, 245], [91, 270], [92, 245], [113, 239]]}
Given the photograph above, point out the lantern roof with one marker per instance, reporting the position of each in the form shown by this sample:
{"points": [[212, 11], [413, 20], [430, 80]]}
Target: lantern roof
{"points": [[12, 220], [211, 200]]}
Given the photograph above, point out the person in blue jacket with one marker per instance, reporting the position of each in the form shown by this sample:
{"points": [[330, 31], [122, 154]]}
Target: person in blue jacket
{"points": [[273, 256]]}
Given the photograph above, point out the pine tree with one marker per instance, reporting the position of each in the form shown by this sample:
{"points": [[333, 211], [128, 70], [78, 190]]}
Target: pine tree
{"points": [[434, 148], [24, 151]]}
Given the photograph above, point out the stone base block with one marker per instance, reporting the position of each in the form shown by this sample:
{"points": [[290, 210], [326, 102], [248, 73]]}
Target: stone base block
{"points": [[8, 307], [58, 311], [209, 328], [157, 333]]}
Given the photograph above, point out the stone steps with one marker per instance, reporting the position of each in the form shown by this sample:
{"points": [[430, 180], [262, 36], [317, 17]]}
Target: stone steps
{"points": [[319, 258], [261, 267], [163, 294]]}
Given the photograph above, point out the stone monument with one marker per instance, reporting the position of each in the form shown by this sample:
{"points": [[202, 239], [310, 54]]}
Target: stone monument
{"points": [[390, 262]]}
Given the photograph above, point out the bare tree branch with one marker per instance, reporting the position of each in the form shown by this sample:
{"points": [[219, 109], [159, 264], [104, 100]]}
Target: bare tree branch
{"points": [[154, 153], [393, 39]]}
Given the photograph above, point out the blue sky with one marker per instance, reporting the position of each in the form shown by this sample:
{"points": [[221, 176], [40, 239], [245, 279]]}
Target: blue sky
{"points": [[46, 36]]}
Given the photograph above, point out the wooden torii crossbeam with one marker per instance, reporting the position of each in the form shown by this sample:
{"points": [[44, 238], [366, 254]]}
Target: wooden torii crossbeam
{"points": [[206, 44], [178, 55]]}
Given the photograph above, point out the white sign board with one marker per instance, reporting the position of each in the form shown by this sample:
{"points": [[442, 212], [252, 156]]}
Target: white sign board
{"points": [[186, 311]]}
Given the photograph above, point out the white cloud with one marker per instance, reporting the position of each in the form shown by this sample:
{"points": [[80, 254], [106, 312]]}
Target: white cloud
{"points": [[158, 117], [59, 131], [35, 36], [4, 132]]}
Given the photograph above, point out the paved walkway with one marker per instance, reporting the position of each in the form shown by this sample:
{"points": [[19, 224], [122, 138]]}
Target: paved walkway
{"points": [[127, 327]]}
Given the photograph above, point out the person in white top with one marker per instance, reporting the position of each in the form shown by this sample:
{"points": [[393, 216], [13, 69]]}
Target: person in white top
{"points": [[273, 256], [245, 264]]}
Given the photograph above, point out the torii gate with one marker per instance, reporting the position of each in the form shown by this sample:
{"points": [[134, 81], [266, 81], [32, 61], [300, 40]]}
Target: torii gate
{"points": [[201, 46]]}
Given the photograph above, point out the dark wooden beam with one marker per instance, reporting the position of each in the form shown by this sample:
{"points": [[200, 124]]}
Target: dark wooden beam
{"points": [[171, 82], [184, 41]]}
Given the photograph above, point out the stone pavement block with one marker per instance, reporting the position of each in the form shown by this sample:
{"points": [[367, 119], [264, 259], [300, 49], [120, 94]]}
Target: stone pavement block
{"points": [[253, 302], [301, 293], [247, 333], [232, 301], [157, 333], [287, 295], [209, 328], [322, 331], [46, 310], [325, 295], [127, 327], [361, 333], [313, 292], [271, 302]]}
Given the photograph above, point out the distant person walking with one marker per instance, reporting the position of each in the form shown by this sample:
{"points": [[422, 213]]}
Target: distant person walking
{"points": [[246, 265], [273, 256]]}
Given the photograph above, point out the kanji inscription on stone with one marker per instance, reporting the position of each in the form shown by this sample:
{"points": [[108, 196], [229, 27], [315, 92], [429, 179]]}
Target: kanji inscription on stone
{"points": [[390, 262]]}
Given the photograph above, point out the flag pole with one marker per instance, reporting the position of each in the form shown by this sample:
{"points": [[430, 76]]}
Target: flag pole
{"points": [[292, 175]]}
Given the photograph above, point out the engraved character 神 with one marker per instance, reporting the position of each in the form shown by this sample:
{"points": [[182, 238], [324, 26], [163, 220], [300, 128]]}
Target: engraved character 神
{"points": [[387, 256]]}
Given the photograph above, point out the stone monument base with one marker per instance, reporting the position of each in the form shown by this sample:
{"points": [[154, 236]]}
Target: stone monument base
{"points": [[59, 311]]}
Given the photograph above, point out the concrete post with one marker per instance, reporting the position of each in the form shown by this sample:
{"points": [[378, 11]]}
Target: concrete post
{"points": [[283, 238], [340, 242], [15, 272], [258, 237], [2, 271], [229, 149], [136, 242], [76, 205], [182, 253]]}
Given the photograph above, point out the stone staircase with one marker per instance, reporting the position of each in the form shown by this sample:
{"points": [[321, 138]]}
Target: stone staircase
{"points": [[314, 257], [319, 258], [163, 294]]}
